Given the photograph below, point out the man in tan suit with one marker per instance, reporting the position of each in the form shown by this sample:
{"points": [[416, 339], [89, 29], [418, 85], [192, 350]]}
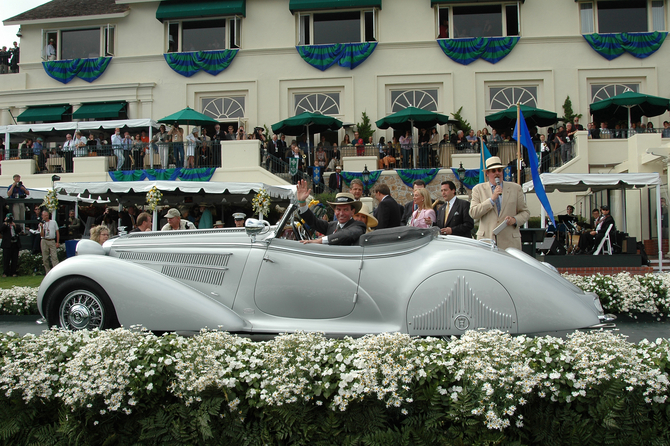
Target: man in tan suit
{"points": [[495, 202]]}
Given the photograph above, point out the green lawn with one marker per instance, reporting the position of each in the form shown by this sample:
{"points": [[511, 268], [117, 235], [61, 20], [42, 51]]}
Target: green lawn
{"points": [[8, 282]]}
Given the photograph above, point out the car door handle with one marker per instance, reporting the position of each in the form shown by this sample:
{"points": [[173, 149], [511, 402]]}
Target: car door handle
{"points": [[267, 259]]}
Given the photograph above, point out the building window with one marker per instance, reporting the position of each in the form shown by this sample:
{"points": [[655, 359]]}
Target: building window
{"points": [[337, 27], [600, 92], [478, 21], [79, 43], [224, 108], [425, 99], [324, 103], [502, 98], [622, 16], [204, 35]]}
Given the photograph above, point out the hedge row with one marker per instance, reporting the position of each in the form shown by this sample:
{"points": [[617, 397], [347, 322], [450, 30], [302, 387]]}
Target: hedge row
{"points": [[484, 388]]}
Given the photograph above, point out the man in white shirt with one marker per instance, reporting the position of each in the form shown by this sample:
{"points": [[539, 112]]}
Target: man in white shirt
{"points": [[80, 144], [117, 145], [68, 152], [51, 50], [50, 241]]}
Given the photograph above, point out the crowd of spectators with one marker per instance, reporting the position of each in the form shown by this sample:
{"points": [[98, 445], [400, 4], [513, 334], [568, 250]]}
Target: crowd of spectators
{"points": [[9, 59]]}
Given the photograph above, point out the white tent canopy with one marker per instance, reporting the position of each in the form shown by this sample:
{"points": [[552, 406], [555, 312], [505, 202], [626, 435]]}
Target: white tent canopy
{"points": [[582, 182], [579, 182], [78, 125], [135, 191]]}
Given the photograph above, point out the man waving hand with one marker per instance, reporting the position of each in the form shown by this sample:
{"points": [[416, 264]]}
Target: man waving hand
{"points": [[344, 230]]}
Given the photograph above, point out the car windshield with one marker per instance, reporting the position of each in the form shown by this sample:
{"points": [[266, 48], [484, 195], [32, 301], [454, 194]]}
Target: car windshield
{"points": [[287, 218]]}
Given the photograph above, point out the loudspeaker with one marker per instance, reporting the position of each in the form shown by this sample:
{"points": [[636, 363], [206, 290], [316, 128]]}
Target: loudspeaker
{"points": [[629, 245], [557, 248]]}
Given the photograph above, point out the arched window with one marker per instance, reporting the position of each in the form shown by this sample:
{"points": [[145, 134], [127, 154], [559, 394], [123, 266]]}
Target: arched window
{"points": [[503, 98], [324, 103], [224, 108], [423, 99], [600, 92]]}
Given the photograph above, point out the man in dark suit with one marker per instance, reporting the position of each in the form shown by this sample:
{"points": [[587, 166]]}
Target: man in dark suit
{"points": [[601, 229], [344, 230], [335, 180], [388, 211], [453, 218]]}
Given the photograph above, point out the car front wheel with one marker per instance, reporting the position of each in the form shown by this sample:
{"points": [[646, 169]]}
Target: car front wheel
{"points": [[80, 304]]}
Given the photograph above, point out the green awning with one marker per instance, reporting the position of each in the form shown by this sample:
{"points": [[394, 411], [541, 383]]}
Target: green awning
{"points": [[184, 9], [104, 110], [308, 5], [44, 113]]}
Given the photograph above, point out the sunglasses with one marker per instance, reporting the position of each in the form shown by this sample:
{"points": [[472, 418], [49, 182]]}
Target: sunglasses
{"points": [[496, 170]]}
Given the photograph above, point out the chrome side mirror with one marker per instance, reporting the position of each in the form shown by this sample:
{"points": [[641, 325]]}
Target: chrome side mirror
{"points": [[255, 227]]}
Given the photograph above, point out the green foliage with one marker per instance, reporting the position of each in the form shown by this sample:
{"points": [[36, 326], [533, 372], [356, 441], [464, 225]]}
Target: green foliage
{"points": [[462, 123], [568, 113], [365, 128], [31, 264]]}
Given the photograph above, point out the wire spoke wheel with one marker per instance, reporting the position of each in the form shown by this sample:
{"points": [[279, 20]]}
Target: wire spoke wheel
{"points": [[81, 310]]}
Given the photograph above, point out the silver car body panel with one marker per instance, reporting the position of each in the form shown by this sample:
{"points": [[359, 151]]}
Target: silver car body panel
{"points": [[419, 283]]}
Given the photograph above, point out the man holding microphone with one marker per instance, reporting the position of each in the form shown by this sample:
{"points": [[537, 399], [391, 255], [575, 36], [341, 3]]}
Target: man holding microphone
{"points": [[494, 203]]}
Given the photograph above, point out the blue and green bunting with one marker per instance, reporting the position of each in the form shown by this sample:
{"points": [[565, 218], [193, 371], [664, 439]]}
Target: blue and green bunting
{"points": [[346, 55], [640, 45], [466, 51], [408, 176], [471, 177], [212, 62], [200, 174], [66, 70], [374, 176]]}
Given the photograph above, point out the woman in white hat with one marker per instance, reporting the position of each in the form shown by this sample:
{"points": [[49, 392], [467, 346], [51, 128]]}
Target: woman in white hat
{"points": [[367, 218]]}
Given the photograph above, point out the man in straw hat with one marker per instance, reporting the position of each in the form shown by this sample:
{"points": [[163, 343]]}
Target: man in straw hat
{"points": [[495, 202], [344, 230]]}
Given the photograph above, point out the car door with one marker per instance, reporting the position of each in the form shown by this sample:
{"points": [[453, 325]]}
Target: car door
{"points": [[309, 281]]}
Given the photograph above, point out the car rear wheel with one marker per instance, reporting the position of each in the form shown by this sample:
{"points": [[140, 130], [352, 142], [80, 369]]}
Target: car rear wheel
{"points": [[80, 304]]}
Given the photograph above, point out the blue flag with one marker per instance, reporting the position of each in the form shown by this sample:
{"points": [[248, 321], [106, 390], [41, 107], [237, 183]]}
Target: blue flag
{"points": [[485, 154], [527, 142]]}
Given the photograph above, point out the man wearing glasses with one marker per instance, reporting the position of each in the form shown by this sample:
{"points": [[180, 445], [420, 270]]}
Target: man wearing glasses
{"points": [[495, 202]]}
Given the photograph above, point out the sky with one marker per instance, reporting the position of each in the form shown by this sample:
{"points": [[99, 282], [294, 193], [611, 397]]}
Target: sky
{"points": [[10, 8]]}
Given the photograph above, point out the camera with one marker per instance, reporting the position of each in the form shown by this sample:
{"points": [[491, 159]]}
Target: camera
{"points": [[10, 219]]}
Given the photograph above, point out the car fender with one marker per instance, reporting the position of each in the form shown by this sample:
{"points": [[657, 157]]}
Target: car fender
{"points": [[142, 296]]}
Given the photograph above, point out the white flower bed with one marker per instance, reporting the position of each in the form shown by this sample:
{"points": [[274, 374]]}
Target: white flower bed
{"points": [[113, 370], [626, 293], [18, 300]]}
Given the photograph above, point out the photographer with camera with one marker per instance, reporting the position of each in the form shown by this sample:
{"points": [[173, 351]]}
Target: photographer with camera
{"points": [[18, 191], [10, 247]]}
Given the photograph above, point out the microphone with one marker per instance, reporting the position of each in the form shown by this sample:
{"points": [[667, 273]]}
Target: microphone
{"points": [[498, 184]]}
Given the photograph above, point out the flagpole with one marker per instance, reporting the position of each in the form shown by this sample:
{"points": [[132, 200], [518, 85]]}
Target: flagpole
{"points": [[481, 155], [518, 145]]}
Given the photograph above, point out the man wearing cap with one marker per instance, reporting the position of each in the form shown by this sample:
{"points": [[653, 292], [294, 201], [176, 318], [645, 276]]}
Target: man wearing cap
{"points": [[175, 223], [344, 230], [495, 202], [239, 219]]}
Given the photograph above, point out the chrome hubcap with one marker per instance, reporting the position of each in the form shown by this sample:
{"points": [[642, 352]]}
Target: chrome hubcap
{"points": [[81, 310]]}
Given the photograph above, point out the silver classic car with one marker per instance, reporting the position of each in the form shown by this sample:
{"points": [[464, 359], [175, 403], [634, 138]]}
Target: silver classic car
{"points": [[253, 280]]}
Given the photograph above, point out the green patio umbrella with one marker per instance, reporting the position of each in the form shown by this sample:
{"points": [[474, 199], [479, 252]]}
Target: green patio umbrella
{"points": [[629, 105], [188, 116], [417, 117], [532, 115], [303, 123]]}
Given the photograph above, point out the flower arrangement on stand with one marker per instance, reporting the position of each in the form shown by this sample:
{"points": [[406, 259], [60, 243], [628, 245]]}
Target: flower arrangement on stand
{"points": [[154, 198], [50, 201], [261, 203]]}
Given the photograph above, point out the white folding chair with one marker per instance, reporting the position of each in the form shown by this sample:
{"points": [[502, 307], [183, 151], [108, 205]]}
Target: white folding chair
{"points": [[605, 244]]}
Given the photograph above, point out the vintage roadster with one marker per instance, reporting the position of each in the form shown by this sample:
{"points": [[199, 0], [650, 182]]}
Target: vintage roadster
{"points": [[251, 280]]}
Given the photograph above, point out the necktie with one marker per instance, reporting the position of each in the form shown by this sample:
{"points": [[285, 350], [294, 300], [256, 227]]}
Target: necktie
{"points": [[446, 214]]}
